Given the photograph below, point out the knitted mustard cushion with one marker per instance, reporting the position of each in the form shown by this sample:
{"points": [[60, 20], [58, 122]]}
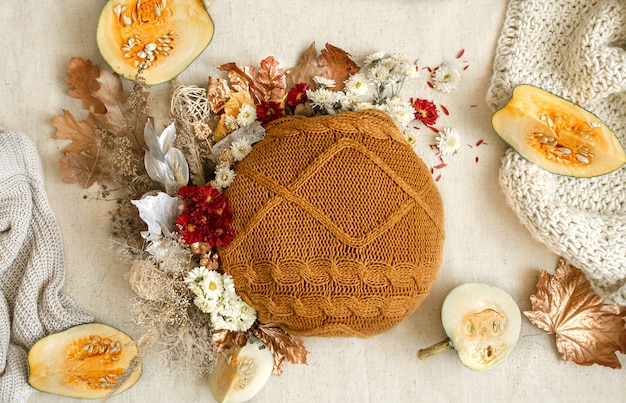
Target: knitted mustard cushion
{"points": [[339, 226]]}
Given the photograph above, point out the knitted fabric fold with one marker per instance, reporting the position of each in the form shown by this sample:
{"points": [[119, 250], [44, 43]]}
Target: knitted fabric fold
{"points": [[575, 49], [32, 266]]}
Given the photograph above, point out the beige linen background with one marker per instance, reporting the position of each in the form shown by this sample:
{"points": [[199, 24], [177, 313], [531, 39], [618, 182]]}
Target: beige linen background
{"points": [[485, 242]]}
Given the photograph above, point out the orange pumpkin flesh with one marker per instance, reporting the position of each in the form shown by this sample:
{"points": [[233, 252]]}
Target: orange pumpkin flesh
{"points": [[84, 361], [159, 37]]}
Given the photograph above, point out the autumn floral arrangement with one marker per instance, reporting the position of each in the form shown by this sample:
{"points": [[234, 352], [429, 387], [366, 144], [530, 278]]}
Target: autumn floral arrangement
{"points": [[170, 214]]}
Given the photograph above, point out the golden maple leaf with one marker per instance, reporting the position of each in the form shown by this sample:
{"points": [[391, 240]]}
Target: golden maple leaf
{"points": [[588, 330]]}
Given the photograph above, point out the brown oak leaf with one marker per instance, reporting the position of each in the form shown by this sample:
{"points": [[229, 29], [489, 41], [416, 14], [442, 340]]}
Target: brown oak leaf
{"points": [[83, 134], [340, 66], [82, 79], [308, 67], [588, 330], [80, 169]]}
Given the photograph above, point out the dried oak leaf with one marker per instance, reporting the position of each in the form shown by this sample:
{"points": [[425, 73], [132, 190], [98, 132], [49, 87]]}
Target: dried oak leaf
{"points": [[340, 66], [588, 330], [282, 344], [80, 169], [82, 79], [83, 134], [112, 95], [308, 67]]}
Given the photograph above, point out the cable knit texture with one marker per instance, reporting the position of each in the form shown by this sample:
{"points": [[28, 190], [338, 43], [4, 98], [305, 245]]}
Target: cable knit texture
{"points": [[339, 226], [574, 48], [31, 265]]}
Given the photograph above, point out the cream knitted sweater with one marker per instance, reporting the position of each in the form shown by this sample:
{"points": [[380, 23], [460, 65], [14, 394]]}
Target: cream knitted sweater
{"points": [[31, 265], [576, 49]]}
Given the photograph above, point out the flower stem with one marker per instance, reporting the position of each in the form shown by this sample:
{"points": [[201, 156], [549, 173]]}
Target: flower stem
{"points": [[440, 347]]}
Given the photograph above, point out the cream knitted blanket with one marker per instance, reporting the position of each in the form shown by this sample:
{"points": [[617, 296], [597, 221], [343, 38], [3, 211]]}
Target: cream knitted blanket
{"points": [[576, 49], [31, 265]]}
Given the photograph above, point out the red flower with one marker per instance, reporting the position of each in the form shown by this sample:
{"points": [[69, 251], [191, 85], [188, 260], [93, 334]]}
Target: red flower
{"points": [[206, 216], [267, 111], [297, 95], [425, 111]]}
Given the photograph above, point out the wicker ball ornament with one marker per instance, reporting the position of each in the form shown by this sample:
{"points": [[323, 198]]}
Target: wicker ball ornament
{"points": [[338, 226]]}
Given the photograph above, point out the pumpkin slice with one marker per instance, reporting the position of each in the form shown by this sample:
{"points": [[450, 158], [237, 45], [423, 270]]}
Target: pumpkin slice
{"points": [[84, 361], [557, 135], [159, 37]]}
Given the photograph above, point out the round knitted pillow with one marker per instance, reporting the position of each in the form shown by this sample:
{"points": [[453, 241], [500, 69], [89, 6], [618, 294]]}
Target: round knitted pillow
{"points": [[338, 226], [572, 48]]}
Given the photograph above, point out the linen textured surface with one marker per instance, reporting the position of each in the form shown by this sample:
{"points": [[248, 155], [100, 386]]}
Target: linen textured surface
{"points": [[32, 267], [575, 49]]}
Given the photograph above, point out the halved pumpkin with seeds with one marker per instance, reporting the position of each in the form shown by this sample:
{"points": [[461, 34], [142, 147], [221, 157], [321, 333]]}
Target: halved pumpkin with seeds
{"points": [[85, 361], [159, 37], [557, 134]]}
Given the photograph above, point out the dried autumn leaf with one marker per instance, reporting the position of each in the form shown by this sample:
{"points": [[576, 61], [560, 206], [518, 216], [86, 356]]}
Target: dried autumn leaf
{"points": [[79, 168], [270, 80], [112, 95], [588, 330], [307, 68], [218, 93], [267, 85], [82, 78], [282, 344], [340, 66], [83, 134], [225, 339]]}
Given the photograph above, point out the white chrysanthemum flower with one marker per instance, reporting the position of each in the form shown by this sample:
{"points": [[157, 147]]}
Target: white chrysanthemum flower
{"points": [[231, 124], [446, 78], [379, 74], [212, 285], [223, 322], [205, 304], [323, 82], [229, 284], [448, 141], [411, 137], [357, 85], [361, 106], [400, 111], [240, 148], [246, 115], [196, 274], [247, 316], [374, 58], [323, 98], [408, 70], [224, 177]]}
